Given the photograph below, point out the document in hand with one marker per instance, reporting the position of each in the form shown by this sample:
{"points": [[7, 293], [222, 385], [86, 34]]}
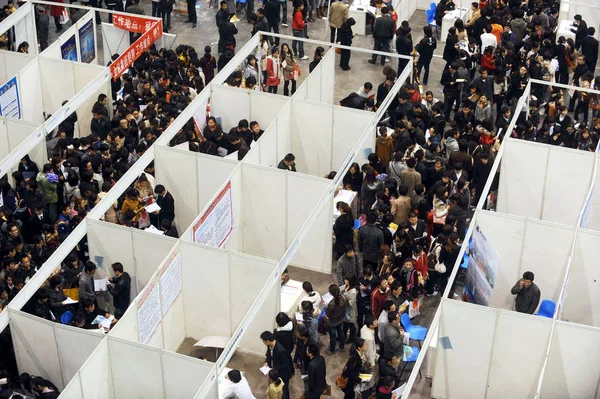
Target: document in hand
{"points": [[153, 207], [101, 284], [265, 370], [69, 301]]}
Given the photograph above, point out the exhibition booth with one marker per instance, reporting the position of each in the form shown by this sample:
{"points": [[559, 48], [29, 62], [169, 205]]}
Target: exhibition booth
{"points": [[78, 43], [22, 23]]}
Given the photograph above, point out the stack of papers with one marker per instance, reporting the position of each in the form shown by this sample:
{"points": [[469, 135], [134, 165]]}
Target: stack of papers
{"points": [[327, 298], [103, 321], [101, 285], [154, 230], [153, 207], [299, 317]]}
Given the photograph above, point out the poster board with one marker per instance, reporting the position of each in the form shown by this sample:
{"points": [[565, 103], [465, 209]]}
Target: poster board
{"points": [[170, 280], [149, 311], [483, 266], [87, 42], [215, 225], [68, 49], [10, 105]]}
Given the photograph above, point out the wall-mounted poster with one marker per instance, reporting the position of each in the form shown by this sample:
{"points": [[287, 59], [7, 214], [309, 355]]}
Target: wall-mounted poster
{"points": [[9, 99], [87, 42], [69, 49]]}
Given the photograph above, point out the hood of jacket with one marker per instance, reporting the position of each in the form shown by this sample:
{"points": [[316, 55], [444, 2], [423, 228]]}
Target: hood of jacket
{"points": [[288, 327]]}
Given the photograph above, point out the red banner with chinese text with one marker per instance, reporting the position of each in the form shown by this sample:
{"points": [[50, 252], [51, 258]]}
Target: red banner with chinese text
{"points": [[125, 60], [132, 24]]}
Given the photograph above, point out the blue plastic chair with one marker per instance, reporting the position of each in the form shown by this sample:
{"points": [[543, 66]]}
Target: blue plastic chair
{"points": [[66, 317], [411, 359], [417, 333], [430, 14], [547, 309], [356, 224]]}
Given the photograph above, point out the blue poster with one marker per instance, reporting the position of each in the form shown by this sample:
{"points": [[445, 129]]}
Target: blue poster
{"points": [[69, 49], [9, 99], [86, 42]]}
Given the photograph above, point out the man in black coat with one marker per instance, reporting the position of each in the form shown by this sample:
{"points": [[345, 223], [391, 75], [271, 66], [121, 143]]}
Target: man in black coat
{"points": [[166, 202], [317, 371], [120, 287], [279, 359], [404, 46], [288, 163], [227, 32], [272, 14], [589, 48], [580, 29], [383, 32]]}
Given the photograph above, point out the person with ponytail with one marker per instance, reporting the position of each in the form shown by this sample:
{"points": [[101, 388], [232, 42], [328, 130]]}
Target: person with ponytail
{"points": [[354, 367], [336, 314], [275, 389]]}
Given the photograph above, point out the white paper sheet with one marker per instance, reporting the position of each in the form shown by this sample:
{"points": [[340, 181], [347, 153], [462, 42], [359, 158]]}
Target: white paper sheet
{"points": [[327, 298], [289, 290], [265, 370], [100, 284], [153, 207], [69, 301]]}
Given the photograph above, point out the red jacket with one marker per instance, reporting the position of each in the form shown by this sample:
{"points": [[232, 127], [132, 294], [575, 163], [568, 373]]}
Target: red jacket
{"points": [[298, 21], [377, 300], [273, 72], [488, 62], [421, 264]]}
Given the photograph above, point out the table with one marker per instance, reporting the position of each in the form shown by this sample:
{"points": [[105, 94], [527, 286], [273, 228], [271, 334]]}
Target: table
{"points": [[348, 197], [358, 10], [450, 18], [291, 295], [564, 29]]}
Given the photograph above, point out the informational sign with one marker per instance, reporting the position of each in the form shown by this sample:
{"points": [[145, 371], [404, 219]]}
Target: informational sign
{"points": [[215, 225], [68, 49], [87, 42], [483, 266], [170, 280], [149, 311], [10, 104], [132, 24], [143, 43]]}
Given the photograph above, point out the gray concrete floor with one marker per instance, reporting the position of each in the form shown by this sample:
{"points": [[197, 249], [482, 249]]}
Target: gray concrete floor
{"points": [[335, 363]]}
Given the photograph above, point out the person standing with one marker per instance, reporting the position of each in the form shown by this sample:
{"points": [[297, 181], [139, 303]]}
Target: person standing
{"points": [[191, 10], [404, 45], [120, 287], [338, 14], [317, 370], [370, 240], [345, 36], [353, 367], [349, 265], [394, 335], [580, 29], [425, 48], [298, 25], [450, 89], [527, 294], [383, 32], [42, 22], [277, 358], [367, 332], [589, 48], [336, 313]]}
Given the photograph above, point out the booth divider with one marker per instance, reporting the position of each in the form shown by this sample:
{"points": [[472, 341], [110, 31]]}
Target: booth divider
{"points": [[23, 22]]}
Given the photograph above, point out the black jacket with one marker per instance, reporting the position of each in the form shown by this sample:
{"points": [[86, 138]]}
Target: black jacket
{"points": [[261, 25], [426, 47], [317, 370], [353, 367], [404, 45], [589, 48], [384, 27], [448, 78], [227, 32], [121, 291], [281, 361], [580, 32], [272, 11], [167, 206], [282, 165], [221, 16]]}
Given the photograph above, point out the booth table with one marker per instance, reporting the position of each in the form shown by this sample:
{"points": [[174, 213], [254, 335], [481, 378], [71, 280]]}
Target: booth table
{"points": [[348, 197], [291, 294], [564, 29], [450, 18], [358, 10]]}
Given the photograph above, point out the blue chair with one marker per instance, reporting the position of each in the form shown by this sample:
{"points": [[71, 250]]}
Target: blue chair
{"points": [[547, 309], [66, 317], [430, 14], [411, 359], [417, 333], [356, 224]]}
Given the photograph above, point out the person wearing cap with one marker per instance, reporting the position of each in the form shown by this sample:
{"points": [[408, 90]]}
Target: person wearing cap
{"points": [[527, 294]]}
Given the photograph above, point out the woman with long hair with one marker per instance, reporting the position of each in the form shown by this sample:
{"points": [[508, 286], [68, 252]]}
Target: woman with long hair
{"points": [[353, 179], [288, 65], [369, 189], [354, 367], [336, 313], [212, 129], [343, 229]]}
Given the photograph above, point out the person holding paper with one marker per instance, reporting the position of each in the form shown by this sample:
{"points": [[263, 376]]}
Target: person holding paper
{"points": [[86, 283], [277, 358], [166, 202], [56, 297], [90, 312], [120, 287]]}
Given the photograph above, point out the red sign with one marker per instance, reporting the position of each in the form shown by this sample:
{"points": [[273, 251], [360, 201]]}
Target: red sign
{"points": [[125, 60], [132, 24]]}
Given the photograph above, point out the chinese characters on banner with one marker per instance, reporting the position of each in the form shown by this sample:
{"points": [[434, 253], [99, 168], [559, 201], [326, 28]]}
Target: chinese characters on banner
{"points": [[125, 60], [132, 24]]}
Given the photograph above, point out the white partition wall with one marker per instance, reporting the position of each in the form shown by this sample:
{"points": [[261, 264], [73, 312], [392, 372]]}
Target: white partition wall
{"points": [[48, 349], [327, 66], [348, 126], [31, 93], [264, 107], [593, 208], [230, 104], [11, 63], [12, 133]]}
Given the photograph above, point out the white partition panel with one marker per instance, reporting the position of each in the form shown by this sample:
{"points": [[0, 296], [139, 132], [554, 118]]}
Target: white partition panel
{"points": [[114, 41], [581, 305], [127, 327], [206, 268], [263, 321], [518, 193], [348, 126], [314, 251], [18, 130], [73, 390], [183, 375], [302, 90], [35, 346], [3, 74], [264, 211], [461, 371], [53, 51], [149, 251], [173, 325], [136, 370], [284, 132], [31, 92], [268, 146], [114, 244], [67, 339], [573, 370], [593, 214], [312, 137], [15, 62], [313, 84], [546, 248], [230, 104], [327, 67], [97, 376], [248, 275], [236, 237], [4, 146], [567, 184], [264, 107], [84, 74], [59, 83], [525, 337], [506, 233], [180, 180], [212, 173]]}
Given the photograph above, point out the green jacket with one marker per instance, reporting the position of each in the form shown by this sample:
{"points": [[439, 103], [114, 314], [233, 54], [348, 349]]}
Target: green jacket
{"points": [[49, 189]]}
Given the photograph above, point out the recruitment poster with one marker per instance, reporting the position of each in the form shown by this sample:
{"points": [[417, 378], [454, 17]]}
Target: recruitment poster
{"points": [[69, 49], [216, 224], [87, 42], [10, 104], [170, 280], [483, 266], [149, 311]]}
